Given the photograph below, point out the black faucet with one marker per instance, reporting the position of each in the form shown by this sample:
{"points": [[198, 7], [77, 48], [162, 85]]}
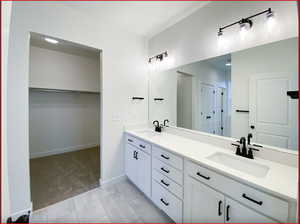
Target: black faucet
{"points": [[244, 148], [247, 149], [166, 121], [157, 126]]}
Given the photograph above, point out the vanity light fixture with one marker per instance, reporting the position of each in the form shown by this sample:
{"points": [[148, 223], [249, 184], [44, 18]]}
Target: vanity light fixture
{"points": [[246, 23], [159, 57], [228, 63], [50, 40]]}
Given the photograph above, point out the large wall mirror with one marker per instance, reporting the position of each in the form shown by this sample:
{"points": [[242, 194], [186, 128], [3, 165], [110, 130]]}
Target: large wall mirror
{"points": [[235, 94]]}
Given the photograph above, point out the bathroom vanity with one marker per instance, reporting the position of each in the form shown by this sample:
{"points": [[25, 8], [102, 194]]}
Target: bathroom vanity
{"points": [[193, 181]]}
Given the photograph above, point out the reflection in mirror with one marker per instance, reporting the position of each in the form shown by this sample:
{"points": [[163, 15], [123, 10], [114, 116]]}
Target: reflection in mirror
{"points": [[234, 94]]}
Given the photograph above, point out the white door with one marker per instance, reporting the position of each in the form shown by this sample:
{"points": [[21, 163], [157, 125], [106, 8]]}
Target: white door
{"points": [[184, 101], [131, 163], [270, 115], [220, 110], [143, 172], [202, 204], [237, 213], [207, 108]]}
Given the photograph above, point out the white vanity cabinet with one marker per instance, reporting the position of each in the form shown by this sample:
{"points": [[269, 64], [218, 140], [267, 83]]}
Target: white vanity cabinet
{"points": [[138, 164], [189, 192], [167, 182], [211, 197]]}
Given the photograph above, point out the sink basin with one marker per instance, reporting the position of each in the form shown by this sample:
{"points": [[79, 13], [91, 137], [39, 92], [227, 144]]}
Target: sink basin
{"points": [[241, 164], [149, 133]]}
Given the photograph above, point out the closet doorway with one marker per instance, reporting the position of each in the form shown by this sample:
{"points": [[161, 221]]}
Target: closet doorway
{"points": [[64, 119]]}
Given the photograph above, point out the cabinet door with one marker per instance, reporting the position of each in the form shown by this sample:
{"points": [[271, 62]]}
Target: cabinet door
{"points": [[237, 213], [144, 172], [202, 204], [131, 163]]}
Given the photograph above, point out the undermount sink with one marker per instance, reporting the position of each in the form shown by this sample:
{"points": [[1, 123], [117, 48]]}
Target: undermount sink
{"points": [[241, 164], [149, 133]]}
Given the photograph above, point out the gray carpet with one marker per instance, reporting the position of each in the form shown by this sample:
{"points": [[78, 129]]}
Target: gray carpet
{"points": [[58, 177]]}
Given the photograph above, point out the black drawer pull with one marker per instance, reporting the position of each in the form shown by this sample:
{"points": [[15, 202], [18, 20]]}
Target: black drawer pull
{"points": [[142, 146], [166, 171], [227, 213], [165, 157], [219, 209], [136, 153], [250, 199], [166, 184], [205, 177], [130, 140], [165, 203]]}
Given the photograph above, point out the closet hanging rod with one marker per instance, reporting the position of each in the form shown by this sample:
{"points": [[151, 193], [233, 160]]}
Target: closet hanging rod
{"points": [[60, 90]]}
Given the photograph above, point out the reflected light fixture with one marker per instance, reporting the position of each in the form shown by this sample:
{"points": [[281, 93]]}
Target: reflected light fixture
{"points": [[246, 23], [50, 40], [159, 57]]}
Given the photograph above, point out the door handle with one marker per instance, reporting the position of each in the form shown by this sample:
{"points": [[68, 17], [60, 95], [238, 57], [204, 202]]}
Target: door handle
{"points": [[252, 200], [227, 213], [219, 209], [142, 146], [252, 127], [134, 154], [165, 203], [165, 157], [208, 117], [164, 183], [205, 177], [166, 171], [130, 140]]}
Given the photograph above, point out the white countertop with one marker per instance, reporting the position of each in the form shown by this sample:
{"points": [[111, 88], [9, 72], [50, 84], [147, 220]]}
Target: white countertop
{"points": [[281, 180]]}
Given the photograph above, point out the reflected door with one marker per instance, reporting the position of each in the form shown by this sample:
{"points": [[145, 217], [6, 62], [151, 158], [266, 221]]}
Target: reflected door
{"points": [[207, 108], [270, 117]]}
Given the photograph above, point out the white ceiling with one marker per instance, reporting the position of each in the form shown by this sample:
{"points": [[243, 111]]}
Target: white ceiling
{"points": [[142, 18]]}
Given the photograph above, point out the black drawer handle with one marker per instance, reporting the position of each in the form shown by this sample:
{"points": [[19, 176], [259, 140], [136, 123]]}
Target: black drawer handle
{"points": [[166, 171], [250, 199], [219, 209], [136, 153], [166, 184], [130, 140], [165, 157], [205, 177], [142, 146], [227, 213], [165, 203]]}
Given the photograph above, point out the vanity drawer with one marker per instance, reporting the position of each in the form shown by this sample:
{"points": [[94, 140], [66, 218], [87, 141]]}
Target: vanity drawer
{"points": [[171, 205], [167, 171], [167, 157], [144, 146], [168, 184], [260, 201]]}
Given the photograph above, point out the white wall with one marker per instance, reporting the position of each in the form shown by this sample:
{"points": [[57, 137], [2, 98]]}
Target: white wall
{"points": [[5, 24], [124, 75], [195, 37], [58, 70], [62, 122], [275, 58]]}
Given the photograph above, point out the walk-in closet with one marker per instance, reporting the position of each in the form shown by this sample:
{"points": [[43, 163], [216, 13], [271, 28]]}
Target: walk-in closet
{"points": [[64, 119]]}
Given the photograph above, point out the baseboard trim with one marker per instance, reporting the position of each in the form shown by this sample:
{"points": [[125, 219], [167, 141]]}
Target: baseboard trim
{"points": [[62, 150], [16, 215], [113, 180]]}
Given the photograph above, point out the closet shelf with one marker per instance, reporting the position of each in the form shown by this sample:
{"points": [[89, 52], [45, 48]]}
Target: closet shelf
{"points": [[61, 90]]}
